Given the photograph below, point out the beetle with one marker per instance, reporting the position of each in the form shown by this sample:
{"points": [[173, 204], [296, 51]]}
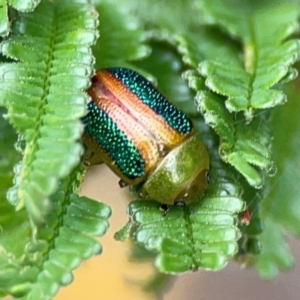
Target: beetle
{"points": [[144, 139]]}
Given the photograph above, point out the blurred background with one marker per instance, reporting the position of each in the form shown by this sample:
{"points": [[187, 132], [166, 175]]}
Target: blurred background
{"points": [[115, 275]]}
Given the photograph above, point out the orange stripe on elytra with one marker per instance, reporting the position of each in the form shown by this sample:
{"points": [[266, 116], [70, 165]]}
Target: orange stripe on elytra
{"points": [[165, 135], [134, 131]]}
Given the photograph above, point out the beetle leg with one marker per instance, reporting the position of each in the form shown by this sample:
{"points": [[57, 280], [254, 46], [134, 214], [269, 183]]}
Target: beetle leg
{"points": [[122, 183], [164, 208], [179, 203]]}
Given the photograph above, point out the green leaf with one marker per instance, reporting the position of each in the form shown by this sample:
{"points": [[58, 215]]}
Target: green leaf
{"points": [[266, 62], [39, 265], [243, 146], [4, 22], [251, 226], [24, 5], [164, 63], [58, 246], [148, 225], [11, 223], [6, 12], [155, 14], [44, 95], [281, 206], [122, 36], [201, 235], [184, 35], [275, 253], [282, 200], [262, 29], [70, 242], [234, 55]]}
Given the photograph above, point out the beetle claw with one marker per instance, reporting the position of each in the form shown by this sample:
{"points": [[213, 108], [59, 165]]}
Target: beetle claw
{"points": [[122, 183], [164, 208], [180, 203]]}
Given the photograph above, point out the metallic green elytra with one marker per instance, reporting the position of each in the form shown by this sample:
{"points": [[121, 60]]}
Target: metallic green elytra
{"points": [[144, 138]]}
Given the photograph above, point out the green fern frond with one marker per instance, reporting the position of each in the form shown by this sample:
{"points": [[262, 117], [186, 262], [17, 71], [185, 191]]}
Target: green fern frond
{"points": [[57, 247], [168, 80], [275, 253], [23, 5], [280, 207], [246, 146], [201, 235], [251, 226], [262, 30], [233, 55], [4, 21], [6, 12], [283, 193], [119, 25], [197, 44], [44, 94], [242, 146], [13, 276], [45, 255], [11, 223], [66, 242]]}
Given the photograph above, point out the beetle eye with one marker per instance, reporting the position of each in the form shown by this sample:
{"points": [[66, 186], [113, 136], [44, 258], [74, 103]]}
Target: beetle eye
{"points": [[207, 177]]}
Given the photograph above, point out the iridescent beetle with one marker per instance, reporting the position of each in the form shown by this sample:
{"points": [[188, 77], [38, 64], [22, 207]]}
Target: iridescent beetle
{"points": [[144, 139]]}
